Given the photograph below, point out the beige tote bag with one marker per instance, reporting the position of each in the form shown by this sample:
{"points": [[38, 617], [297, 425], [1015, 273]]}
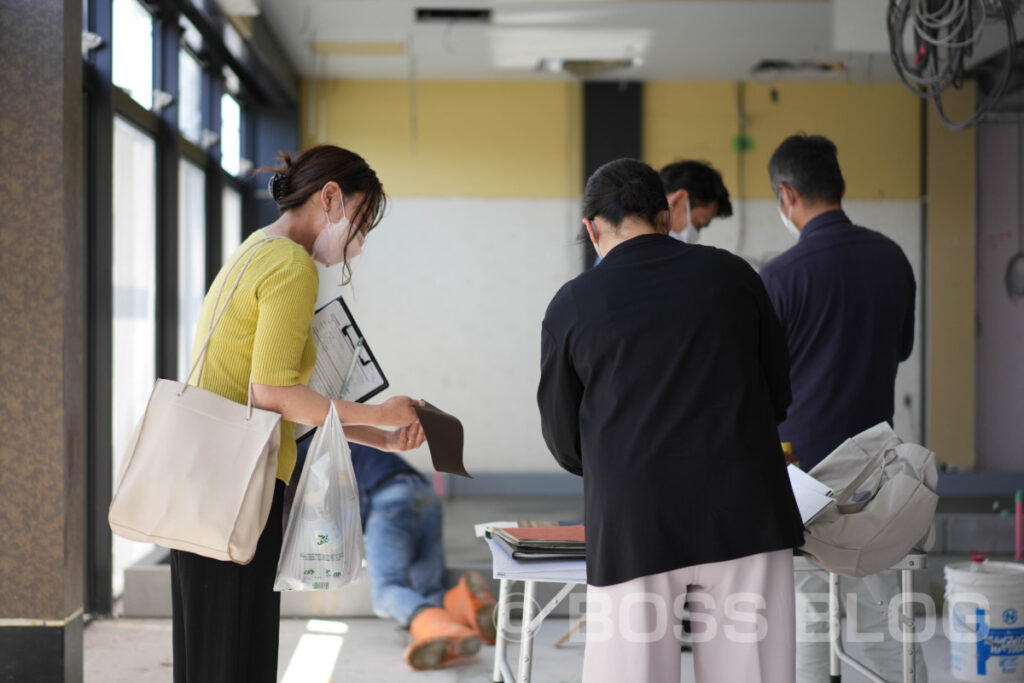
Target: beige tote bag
{"points": [[199, 471], [885, 493]]}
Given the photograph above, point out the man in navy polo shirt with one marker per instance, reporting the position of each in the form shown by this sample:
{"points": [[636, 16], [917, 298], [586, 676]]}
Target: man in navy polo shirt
{"points": [[845, 297]]}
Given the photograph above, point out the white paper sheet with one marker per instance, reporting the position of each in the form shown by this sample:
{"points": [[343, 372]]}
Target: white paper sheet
{"points": [[563, 571], [345, 367], [812, 497], [807, 481]]}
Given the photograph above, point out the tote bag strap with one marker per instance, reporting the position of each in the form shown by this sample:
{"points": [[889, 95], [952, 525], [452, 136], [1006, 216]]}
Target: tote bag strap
{"points": [[878, 463], [215, 316]]}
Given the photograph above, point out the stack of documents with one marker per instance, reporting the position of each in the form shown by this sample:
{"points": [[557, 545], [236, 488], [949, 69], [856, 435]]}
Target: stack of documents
{"points": [[563, 542], [506, 567], [812, 497], [564, 571]]}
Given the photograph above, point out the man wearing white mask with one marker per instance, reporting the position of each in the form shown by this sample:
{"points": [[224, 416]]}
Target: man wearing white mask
{"points": [[696, 195], [845, 297]]}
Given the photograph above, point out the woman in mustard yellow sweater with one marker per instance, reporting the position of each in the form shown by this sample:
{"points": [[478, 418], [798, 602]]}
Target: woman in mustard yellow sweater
{"points": [[226, 615]]}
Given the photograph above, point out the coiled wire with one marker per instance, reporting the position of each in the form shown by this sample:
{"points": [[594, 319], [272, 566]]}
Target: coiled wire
{"points": [[945, 33]]}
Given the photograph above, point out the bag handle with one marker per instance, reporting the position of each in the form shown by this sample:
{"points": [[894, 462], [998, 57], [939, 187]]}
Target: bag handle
{"points": [[879, 461], [200, 360]]}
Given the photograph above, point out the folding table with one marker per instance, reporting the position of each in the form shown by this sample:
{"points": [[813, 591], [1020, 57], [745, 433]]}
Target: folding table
{"points": [[837, 652], [572, 573]]}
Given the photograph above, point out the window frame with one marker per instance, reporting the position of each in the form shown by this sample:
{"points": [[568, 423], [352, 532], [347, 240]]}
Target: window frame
{"points": [[260, 90]]}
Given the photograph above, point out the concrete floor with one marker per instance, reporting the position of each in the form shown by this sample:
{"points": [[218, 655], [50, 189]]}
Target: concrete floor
{"points": [[367, 651], [121, 650]]}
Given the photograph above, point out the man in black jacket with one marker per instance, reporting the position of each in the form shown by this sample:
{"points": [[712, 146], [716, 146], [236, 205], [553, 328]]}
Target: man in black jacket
{"points": [[845, 297]]}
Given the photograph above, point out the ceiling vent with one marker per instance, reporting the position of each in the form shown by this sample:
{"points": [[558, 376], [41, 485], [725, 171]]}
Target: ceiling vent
{"points": [[798, 66], [453, 16]]}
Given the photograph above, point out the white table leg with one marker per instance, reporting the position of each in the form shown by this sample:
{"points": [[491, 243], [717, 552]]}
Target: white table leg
{"points": [[526, 642], [501, 642], [834, 629], [907, 625]]}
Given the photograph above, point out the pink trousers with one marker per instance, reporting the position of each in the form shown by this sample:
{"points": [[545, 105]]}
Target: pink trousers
{"points": [[741, 614]]}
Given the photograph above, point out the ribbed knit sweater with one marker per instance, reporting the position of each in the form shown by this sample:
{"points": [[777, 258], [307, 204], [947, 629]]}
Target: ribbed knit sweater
{"points": [[265, 332]]}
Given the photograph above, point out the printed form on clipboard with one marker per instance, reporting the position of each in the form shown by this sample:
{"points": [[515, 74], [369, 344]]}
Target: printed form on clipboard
{"points": [[345, 366]]}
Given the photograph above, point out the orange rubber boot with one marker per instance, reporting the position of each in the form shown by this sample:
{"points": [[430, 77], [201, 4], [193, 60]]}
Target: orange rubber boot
{"points": [[471, 602], [438, 640]]}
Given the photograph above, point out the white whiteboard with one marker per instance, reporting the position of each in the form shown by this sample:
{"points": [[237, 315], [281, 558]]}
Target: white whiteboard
{"points": [[451, 291]]}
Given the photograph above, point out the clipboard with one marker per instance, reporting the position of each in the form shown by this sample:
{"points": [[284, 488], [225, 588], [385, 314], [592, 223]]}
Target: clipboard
{"points": [[345, 365]]}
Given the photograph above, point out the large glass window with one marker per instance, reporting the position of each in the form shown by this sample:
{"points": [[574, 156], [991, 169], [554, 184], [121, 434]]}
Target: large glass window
{"points": [[231, 224], [132, 50], [134, 302], [152, 291], [230, 134], [190, 97], [191, 258]]}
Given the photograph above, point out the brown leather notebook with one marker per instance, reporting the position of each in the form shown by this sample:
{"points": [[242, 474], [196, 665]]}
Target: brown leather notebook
{"points": [[571, 533], [444, 438]]}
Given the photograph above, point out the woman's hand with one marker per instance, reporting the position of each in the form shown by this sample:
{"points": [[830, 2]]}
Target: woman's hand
{"points": [[398, 411], [405, 438]]}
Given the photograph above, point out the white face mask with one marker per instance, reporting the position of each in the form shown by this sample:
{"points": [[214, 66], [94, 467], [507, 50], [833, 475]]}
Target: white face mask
{"points": [[332, 245], [787, 220], [689, 234]]}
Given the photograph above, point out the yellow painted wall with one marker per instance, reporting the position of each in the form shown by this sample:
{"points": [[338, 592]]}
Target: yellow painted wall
{"points": [[524, 139], [691, 121], [465, 139], [950, 299], [875, 127]]}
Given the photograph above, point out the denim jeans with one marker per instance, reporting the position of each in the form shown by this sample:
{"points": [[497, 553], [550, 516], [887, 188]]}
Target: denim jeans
{"points": [[404, 553]]}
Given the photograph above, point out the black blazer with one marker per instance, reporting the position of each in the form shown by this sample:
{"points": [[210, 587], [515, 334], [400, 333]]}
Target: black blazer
{"points": [[664, 372]]}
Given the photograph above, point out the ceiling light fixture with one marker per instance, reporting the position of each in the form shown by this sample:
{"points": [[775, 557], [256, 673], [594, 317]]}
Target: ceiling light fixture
{"points": [[240, 8], [588, 68]]}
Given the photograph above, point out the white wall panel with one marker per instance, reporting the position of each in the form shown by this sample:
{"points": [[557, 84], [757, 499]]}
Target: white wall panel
{"points": [[450, 294]]}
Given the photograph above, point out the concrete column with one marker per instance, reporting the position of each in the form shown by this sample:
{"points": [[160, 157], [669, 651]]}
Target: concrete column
{"points": [[42, 341]]}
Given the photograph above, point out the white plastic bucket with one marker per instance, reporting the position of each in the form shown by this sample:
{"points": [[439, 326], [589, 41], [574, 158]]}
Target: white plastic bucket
{"points": [[985, 621]]}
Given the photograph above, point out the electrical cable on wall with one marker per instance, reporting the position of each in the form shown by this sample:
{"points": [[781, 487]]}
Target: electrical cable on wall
{"points": [[944, 34], [742, 146], [1015, 268], [410, 48]]}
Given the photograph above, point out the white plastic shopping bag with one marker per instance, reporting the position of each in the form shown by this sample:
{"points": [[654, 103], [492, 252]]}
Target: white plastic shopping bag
{"points": [[323, 542]]}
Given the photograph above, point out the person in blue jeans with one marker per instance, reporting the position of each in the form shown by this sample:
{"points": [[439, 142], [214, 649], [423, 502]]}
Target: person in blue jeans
{"points": [[401, 517]]}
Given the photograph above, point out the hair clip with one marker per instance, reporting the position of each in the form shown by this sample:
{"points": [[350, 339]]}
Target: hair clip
{"points": [[277, 187]]}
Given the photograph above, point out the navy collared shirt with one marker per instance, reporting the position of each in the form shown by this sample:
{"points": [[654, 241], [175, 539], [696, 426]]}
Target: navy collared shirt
{"points": [[845, 297]]}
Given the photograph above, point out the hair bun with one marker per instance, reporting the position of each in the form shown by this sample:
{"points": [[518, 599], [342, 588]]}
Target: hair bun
{"points": [[277, 187]]}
